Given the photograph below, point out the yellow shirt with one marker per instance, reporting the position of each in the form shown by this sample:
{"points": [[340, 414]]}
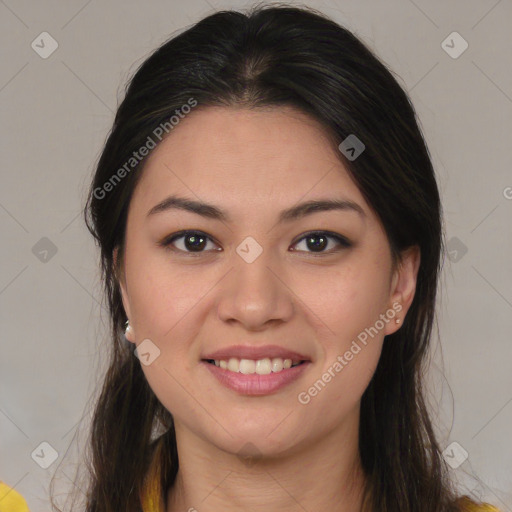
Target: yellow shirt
{"points": [[152, 499], [467, 505], [11, 500], [152, 496]]}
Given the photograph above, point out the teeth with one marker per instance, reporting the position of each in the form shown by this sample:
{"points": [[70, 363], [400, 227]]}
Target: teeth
{"points": [[260, 367]]}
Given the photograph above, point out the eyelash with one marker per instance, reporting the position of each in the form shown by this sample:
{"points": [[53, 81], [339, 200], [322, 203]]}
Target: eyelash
{"points": [[342, 241]]}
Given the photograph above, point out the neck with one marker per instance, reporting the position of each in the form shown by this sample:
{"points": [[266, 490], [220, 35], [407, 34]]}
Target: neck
{"points": [[324, 475]]}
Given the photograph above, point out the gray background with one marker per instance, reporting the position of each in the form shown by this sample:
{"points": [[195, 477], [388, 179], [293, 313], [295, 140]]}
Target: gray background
{"points": [[56, 113]]}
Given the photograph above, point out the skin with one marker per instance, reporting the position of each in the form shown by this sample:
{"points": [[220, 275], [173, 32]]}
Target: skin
{"points": [[253, 164]]}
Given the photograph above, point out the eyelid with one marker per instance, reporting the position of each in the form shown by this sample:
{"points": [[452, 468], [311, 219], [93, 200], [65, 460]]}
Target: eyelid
{"points": [[343, 242], [168, 240]]}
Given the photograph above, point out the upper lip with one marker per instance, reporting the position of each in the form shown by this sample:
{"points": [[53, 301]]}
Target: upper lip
{"points": [[255, 353]]}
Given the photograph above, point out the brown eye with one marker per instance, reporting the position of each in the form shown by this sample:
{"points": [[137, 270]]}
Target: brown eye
{"points": [[189, 241], [317, 241]]}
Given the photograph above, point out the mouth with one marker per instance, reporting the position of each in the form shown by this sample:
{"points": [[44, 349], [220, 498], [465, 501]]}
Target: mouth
{"points": [[255, 370], [252, 383], [264, 366]]}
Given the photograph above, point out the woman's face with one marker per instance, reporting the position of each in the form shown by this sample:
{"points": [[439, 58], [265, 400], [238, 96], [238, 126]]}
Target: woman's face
{"points": [[253, 278]]}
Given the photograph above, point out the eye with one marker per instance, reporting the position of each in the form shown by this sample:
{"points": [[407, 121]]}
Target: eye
{"points": [[193, 241], [319, 240]]}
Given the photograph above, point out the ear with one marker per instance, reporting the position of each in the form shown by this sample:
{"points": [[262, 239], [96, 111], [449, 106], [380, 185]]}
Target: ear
{"points": [[120, 278], [403, 286]]}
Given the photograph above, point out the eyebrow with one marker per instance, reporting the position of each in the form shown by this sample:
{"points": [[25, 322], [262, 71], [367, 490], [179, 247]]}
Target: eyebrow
{"points": [[210, 211]]}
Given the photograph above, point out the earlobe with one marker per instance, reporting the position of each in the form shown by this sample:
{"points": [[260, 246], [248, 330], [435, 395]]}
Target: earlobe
{"points": [[128, 332]]}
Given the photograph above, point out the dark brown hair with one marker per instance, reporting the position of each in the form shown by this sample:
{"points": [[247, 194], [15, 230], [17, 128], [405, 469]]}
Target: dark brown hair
{"points": [[277, 56]]}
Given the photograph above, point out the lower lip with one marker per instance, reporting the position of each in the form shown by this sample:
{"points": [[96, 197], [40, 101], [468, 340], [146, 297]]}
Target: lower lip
{"points": [[254, 384]]}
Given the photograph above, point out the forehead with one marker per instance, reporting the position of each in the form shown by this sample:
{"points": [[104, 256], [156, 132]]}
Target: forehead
{"points": [[246, 159]]}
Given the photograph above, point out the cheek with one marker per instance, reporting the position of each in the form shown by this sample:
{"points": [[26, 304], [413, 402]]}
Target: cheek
{"points": [[337, 391], [346, 300], [351, 308], [163, 296]]}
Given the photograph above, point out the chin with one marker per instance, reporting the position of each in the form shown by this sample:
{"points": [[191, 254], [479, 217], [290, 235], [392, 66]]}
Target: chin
{"points": [[258, 441]]}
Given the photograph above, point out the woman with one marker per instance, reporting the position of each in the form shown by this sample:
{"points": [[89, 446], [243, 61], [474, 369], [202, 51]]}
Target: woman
{"points": [[270, 233]]}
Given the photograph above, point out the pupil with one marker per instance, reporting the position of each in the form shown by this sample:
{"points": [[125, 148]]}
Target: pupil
{"points": [[320, 245], [197, 242]]}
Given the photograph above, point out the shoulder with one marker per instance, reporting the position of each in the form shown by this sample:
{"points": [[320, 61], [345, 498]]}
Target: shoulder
{"points": [[11, 500], [466, 504]]}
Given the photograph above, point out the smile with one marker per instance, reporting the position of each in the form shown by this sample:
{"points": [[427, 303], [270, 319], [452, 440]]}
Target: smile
{"points": [[264, 366], [253, 383]]}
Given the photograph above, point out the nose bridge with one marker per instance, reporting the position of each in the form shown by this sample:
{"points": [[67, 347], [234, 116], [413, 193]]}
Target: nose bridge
{"points": [[254, 294]]}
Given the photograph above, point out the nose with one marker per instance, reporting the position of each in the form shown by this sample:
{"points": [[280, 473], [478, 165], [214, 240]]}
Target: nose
{"points": [[255, 294]]}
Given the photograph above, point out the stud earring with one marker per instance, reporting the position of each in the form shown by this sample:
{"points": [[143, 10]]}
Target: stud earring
{"points": [[127, 327], [397, 320]]}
